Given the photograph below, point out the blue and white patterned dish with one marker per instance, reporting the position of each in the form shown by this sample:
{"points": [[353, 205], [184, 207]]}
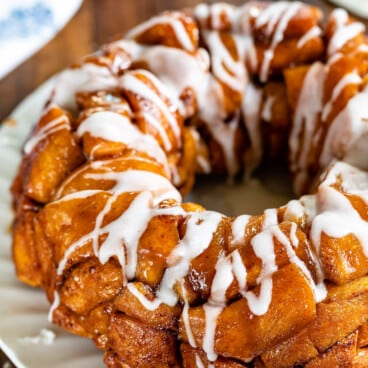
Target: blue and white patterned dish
{"points": [[27, 25]]}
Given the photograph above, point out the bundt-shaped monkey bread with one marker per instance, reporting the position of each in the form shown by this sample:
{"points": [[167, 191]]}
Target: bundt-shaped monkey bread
{"points": [[157, 282]]}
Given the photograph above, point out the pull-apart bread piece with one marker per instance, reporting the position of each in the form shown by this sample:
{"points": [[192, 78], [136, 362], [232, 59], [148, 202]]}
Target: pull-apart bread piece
{"points": [[101, 226]]}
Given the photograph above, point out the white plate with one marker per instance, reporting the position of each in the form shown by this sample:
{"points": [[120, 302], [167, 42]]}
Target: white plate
{"points": [[24, 329]]}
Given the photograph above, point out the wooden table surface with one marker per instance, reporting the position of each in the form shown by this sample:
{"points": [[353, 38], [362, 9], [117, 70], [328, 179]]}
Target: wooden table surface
{"points": [[96, 22]]}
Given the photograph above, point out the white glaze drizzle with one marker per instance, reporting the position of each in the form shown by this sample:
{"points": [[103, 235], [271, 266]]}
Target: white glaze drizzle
{"points": [[150, 305], [115, 127], [204, 164], [218, 128], [294, 210], [305, 121], [199, 362], [211, 314], [251, 106], [202, 160], [276, 16], [301, 211], [175, 23], [238, 228], [70, 179], [219, 10], [239, 271], [128, 47], [348, 126], [267, 108], [217, 13], [270, 218], [211, 111], [247, 51], [363, 48], [45, 337], [224, 133], [79, 195], [224, 67], [319, 290], [242, 29], [89, 77], [263, 247], [55, 304], [129, 81], [198, 236], [343, 32], [126, 230], [333, 59], [236, 17], [293, 235], [129, 230], [136, 181], [165, 62], [210, 98], [185, 316], [201, 12], [97, 165], [312, 33], [216, 303], [310, 206], [156, 124], [347, 79], [353, 180], [338, 218], [231, 267], [356, 153], [200, 228], [270, 16], [56, 125]]}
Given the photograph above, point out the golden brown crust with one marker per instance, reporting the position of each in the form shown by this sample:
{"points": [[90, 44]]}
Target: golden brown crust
{"points": [[243, 335], [162, 33], [75, 185], [330, 325], [42, 174], [191, 356], [139, 345]]}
